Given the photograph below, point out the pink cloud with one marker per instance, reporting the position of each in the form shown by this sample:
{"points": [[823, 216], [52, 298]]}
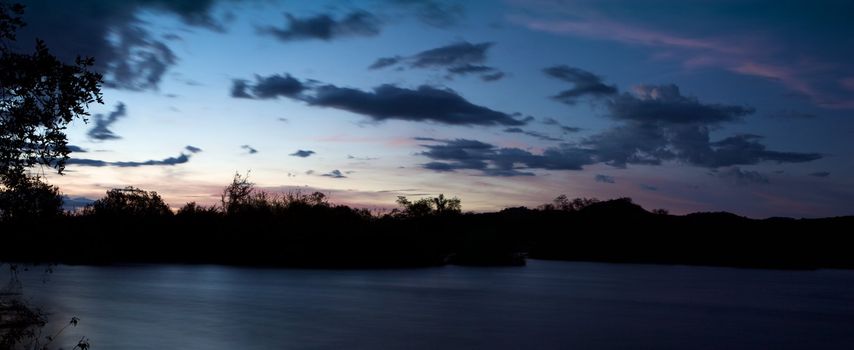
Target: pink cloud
{"points": [[746, 54], [603, 29]]}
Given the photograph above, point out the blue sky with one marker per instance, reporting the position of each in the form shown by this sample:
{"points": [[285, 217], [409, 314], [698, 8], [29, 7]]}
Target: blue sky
{"points": [[743, 106]]}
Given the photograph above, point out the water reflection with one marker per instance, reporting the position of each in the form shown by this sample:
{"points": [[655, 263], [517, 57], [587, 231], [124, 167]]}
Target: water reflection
{"points": [[543, 305]]}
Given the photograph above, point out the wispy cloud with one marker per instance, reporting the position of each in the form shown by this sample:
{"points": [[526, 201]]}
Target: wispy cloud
{"points": [[462, 58], [170, 161], [325, 27], [101, 129], [249, 149], [535, 134], [423, 104], [585, 84], [335, 174], [745, 53]]}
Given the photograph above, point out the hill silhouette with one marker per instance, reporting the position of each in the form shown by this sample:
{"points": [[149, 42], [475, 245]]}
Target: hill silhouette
{"points": [[257, 228]]}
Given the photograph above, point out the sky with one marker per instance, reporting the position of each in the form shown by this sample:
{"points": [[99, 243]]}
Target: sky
{"points": [[742, 106]]}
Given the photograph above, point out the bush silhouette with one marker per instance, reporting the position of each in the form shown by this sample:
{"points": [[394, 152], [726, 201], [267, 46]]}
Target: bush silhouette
{"points": [[131, 201], [428, 206], [30, 198]]}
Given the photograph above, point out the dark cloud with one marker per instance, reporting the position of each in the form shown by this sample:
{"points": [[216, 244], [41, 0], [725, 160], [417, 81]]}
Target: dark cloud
{"points": [[437, 13], [585, 84], [565, 129], [180, 159], [462, 154], [325, 27], [746, 149], [76, 149], [383, 62], [129, 55], [139, 72], [658, 124], [453, 55], [249, 149], [469, 69], [239, 88], [268, 87], [302, 153], [426, 103], [462, 58], [666, 104], [277, 85], [630, 144], [820, 174], [335, 174], [738, 176], [87, 162], [605, 179], [100, 130], [532, 134], [492, 77]]}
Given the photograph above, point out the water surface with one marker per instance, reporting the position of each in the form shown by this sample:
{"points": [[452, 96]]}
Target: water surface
{"points": [[545, 305]]}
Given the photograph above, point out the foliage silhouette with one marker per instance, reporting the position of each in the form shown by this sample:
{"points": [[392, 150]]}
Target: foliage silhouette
{"points": [[39, 97], [307, 230], [29, 199], [21, 324], [131, 201], [428, 206], [238, 195], [563, 203]]}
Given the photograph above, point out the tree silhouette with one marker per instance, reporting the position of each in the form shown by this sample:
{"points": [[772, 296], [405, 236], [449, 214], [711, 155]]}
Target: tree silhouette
{"points": [[237, 195], [30, 198], [429, 206], [131, 201], [563, 203], [39, 96]]}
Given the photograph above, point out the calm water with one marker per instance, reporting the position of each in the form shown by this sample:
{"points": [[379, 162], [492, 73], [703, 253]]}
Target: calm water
{"points": [[544, 305]]}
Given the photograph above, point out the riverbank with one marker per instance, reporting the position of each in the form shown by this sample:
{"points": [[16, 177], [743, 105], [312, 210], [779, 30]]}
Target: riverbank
{"points": [[336, 237]]}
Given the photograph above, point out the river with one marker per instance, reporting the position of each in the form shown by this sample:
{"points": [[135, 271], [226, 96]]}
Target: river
{"points": [[545, 305]]}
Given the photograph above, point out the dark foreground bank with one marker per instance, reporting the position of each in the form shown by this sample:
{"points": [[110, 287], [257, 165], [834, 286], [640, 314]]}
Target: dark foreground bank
{"points": [[324, 235]]}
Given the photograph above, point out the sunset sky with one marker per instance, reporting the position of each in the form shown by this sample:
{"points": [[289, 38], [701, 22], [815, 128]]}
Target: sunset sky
{"points": [[741, 105]]}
